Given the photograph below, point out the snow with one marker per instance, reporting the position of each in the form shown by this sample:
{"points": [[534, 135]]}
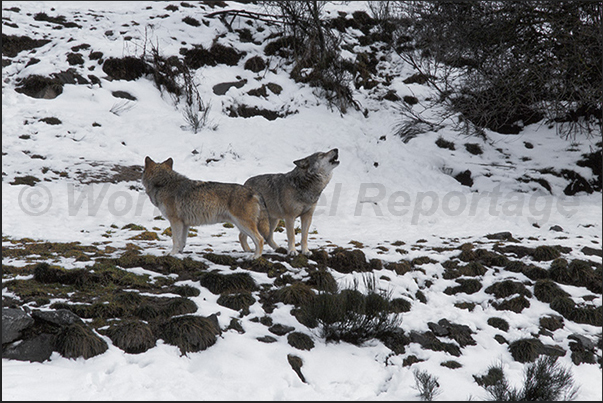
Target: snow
{"points": [[383, 191]]}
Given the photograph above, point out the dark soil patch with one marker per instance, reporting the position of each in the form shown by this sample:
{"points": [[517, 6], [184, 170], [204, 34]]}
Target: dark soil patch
{"points": [[528, 350], [59, 20], [128, 68], [255, 64], [13, 44], [245, 111], [37, 86]]}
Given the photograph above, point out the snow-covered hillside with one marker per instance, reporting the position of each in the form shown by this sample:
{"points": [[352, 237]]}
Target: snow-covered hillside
{"points": [[71, 168]]}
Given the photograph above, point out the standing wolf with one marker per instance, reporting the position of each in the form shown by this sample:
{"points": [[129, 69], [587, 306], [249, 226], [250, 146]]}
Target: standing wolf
{"points": [[294, 194], [185, 202]]}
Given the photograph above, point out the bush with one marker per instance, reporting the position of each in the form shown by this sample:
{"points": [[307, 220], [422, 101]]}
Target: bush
{"points": [[133, 337], [190, 333], [352, 316], [77, 340], [315, 50], [427, 385], [544, 380], [500, 70]]}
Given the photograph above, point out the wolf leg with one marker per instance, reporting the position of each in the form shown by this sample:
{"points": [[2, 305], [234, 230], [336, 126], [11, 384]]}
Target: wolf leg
{"points": [[243, 241], [177, 240], [290, 227], [249, 229], [183, 237], [306, 220], [259, 245], [270, 240]]}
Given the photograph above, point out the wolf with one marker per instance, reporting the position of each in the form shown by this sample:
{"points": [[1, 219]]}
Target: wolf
{"points": [[294, 194], [185, 202]]}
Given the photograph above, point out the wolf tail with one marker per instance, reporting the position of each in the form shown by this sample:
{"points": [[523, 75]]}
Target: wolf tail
{"points": [[263, 221]]}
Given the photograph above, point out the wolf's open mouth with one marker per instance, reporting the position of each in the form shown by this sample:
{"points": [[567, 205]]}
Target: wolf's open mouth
{"points": [[335, 156]]}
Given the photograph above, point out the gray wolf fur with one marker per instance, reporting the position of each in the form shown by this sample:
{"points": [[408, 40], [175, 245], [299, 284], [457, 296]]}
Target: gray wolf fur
{"points": [[294, 194], [185, 202]]}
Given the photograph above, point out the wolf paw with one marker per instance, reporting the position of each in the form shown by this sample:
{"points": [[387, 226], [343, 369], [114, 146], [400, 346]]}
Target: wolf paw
{"points": [[293, 253]]}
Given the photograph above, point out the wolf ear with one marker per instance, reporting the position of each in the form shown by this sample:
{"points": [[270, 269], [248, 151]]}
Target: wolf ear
{"points": [[148, 162], [169, 162], [304, 163]]}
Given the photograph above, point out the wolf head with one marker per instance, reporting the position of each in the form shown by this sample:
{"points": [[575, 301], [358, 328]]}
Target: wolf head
{"points": [[154, 172], [319, 163], [150, 164]]}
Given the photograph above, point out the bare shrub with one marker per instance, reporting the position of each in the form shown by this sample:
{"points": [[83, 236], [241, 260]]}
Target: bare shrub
{"points": [[351, 316], [544, 380], [504, 65], [315, 49], [427, 385]]}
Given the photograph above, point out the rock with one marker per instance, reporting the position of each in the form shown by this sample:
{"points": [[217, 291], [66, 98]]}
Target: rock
{"points": [[528, 350], [14, 320], [395, 341], [36, 349], [222, 88], [296, 363], [280, 330], [266, 339], [591, 251], [60, 317], [583, 341], [438, 330], [301, 341], [501, 236], [429, 341], [556, 228]]}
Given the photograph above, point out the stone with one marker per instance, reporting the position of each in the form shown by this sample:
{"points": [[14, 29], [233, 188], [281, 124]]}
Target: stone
{"points": [[14, 320]]}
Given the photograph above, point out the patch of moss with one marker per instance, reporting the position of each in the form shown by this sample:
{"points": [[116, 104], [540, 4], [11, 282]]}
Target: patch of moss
{"points": [[301, 341], [499, 323], [78, 340], [297, 294], [551, 322], [134, 227], [299, 261], [506, 288], [516, 304], [547, 290], [28, 180], [238, 302], [580, 314], [322, 280], [48, 250], [472, 269], [190, 333], [134, 337], [145, 236], [224, 260], [451, 364], [402, 267], [398, 305], [467, 286], [228, 283], [545, 253], [422, 260]]}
